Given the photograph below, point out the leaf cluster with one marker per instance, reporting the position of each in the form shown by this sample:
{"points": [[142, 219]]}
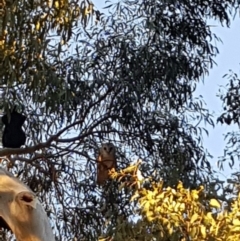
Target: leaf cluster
{"points": [[179, 214]]}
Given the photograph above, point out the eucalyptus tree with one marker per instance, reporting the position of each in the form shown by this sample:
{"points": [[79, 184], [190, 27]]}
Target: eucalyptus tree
{"points": [[128, 79]]}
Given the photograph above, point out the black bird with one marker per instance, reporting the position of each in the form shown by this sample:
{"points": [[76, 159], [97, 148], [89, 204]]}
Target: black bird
{"points": [[13, 135]]}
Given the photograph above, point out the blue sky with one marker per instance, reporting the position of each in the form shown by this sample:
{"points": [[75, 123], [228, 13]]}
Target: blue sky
{"points": [[227, 59]]}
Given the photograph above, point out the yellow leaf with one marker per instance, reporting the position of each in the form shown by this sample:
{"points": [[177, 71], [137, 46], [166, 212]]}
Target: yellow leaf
{"points": [[236, 222], [150, 216], [176, 207], [37, 26], [165, 221], [180, 185], [194, 195], [201, 188], [209, 215], [235, 229], [174, 191], [210, 220], [56, 3], [182, 207], [214, 203], [193, 232], [175, 217], [203, 231], [194, 218]]}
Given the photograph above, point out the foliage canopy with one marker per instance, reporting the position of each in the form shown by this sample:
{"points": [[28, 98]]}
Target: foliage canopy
{"points": [[179, 214], [128, 80]]}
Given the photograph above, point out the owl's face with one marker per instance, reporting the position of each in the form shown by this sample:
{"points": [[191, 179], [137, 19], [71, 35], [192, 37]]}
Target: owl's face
{"points": [[107, 149]]}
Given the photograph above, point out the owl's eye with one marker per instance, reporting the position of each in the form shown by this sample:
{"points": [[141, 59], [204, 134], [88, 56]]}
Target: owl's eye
{"points": [[110, 149]]}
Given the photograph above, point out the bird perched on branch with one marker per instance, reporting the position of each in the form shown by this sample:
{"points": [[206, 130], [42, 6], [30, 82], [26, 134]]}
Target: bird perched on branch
{"points": [[106, 161], [13, 135]]}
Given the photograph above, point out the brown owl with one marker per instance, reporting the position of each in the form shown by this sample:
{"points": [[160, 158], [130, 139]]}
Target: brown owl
{"points": [[106, 161]]}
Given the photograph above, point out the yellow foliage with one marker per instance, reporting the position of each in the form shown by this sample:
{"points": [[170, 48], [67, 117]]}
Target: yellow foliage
{"points": [[180, 214], [181, 211], [214, 203]]}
